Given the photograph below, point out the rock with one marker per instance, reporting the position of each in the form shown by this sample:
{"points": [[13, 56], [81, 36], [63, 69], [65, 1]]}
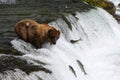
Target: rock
{"points": [[107, 5], [12, 63], [117, 17], [6, 47]]}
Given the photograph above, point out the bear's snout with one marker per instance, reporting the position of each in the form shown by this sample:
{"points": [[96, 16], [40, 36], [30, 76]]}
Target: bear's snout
{"points": [[54, 42]]}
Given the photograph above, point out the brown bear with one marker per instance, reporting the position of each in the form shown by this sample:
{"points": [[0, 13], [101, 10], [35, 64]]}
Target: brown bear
{"points": [[35, 33]]}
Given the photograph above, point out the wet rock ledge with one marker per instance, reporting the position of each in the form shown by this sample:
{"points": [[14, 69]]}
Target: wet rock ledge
{"points": [[12, 63]]}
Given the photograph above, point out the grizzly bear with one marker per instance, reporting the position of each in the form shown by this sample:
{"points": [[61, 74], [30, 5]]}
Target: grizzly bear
{"points": [[35, 33]]}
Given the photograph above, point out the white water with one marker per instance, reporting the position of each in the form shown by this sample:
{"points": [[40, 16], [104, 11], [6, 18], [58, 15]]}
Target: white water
{"points": [[98, 50]]}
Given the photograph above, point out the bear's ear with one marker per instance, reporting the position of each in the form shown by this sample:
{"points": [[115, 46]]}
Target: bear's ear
{"points": [[50, 32], [34, 27], [58, 32]]}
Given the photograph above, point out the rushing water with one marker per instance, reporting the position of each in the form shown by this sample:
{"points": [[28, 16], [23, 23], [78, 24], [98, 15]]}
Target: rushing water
{"points": [[94, 54]]}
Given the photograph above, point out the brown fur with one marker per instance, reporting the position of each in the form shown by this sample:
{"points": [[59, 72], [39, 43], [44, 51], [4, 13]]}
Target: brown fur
{"points": [[22, 29], [35, 33]]}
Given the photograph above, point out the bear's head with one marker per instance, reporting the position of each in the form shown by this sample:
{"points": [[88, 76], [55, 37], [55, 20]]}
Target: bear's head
{"points": [[53, 35]]}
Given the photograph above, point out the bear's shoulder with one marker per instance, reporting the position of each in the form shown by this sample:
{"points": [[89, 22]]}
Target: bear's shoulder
{"points": [[44, 27]]}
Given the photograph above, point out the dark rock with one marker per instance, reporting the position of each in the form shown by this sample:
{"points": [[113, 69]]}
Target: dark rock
{"points": [[117, 17], [6, 47], [12, 62]]}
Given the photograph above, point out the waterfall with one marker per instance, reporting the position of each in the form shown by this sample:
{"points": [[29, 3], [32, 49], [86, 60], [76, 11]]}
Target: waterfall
{"points": [[94, 54]]}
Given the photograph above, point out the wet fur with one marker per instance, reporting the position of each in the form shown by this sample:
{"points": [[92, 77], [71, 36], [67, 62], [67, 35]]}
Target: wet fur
{"points": [[35, 33]]}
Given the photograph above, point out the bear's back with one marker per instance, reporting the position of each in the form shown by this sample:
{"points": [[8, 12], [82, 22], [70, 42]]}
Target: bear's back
{"points": [[27, 22], [43, 29]]}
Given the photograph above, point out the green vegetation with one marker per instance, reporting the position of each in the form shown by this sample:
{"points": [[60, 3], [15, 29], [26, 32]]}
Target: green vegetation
{"points": [[105, 4]]}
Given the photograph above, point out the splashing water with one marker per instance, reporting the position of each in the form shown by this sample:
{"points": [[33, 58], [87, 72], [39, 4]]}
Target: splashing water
{"points": [[93, 56]]}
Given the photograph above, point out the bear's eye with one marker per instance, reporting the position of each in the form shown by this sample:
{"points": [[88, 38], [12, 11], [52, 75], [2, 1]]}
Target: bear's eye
{"points": [[53, 37]]}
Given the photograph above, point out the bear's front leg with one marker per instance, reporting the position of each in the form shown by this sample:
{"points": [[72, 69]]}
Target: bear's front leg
{"points": [[38, 45]]}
